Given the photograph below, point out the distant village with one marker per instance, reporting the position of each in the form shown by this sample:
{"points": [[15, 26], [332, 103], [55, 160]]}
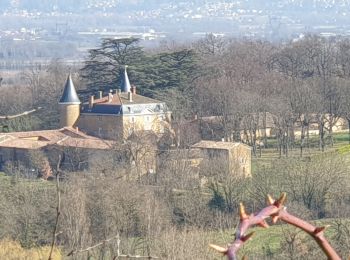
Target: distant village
{"points": [[182, 21]]}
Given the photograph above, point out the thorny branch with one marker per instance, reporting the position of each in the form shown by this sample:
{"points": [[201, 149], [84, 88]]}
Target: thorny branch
{"points": [[276, 210]]}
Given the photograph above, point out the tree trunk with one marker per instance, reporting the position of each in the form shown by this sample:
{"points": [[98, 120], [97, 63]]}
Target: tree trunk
{"points": [[330, 130], [321, 135], [349, 128], [302, 138], [308, 136], [264, 130], [292, 136]]}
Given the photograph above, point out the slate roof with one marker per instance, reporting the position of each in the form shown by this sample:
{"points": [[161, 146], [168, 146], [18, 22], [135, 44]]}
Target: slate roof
{"points": [[103, 106], [120, 104], [106, 109], [69, 96]]}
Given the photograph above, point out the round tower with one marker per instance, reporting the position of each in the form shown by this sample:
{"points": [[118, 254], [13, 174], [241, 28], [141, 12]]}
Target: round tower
{"points": [[69, 105]]}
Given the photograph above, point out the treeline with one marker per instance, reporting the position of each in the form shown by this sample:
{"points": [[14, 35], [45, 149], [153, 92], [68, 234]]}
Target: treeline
{"points": [[299, 84], [251, 90], [247, 85]]}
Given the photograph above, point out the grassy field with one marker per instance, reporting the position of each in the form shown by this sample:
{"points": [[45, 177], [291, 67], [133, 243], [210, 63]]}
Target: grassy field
{"points": [[11, 250], [269, 155], [6, 182]]}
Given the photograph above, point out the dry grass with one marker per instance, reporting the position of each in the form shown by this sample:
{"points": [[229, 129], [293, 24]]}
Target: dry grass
{"points": [[12, 250]]}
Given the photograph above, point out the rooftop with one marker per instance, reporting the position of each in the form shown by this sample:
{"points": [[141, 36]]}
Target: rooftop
{"points": [[137, 99], [115, 103], [69, 95], [67, 137], [205, 144]]}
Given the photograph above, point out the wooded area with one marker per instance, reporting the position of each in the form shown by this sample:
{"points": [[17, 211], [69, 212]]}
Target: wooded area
{"points": [[296, 89]]}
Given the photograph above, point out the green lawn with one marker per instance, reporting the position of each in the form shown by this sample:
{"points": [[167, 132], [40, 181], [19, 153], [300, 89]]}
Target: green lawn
{"points": [[268, 155], [7, 181]]}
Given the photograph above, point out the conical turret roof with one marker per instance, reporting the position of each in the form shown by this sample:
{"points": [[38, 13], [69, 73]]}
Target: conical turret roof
{"points": [[69, 95], [125, 87]]}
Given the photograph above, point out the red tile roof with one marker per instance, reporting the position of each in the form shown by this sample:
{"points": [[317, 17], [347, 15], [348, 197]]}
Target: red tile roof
{"points": [[68, 137]]}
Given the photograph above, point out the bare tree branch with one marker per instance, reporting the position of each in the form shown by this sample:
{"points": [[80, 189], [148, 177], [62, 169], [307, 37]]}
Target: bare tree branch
{"points": [[21, 114], [119, 255], [73, 252]]}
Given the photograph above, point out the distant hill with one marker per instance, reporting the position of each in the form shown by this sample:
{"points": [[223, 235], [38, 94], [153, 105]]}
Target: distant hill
{"points": [[81, 5]]}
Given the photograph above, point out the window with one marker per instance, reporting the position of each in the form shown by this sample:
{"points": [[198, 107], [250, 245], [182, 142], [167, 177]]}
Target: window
{"points": [[212, 153], [148, 124], [242, 160]]}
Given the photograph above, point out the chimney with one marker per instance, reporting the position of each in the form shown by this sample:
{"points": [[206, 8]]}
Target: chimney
{"points": [[130, 96], [91, 102], [133, 89], [77, 129], [119, 91], [116, 91], [100, 94], [110, 97]]}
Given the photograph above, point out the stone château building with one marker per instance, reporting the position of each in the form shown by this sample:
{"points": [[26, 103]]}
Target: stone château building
{"points": [[116, 115]]}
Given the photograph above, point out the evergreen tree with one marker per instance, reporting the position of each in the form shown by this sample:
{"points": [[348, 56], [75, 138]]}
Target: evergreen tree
{"points": [[149, 72]]}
